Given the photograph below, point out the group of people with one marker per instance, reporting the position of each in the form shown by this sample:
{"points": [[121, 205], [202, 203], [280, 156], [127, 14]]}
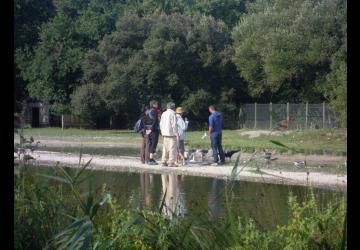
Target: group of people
{"points": [[172, 126]]}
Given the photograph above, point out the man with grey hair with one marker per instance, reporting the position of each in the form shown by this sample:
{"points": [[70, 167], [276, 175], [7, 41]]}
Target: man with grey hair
{"points": [[169, 132]]}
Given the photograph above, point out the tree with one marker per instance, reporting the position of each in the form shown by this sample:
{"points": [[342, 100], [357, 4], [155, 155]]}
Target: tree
{"points": [[86, 102], [54, 67], [28, 17], [163, 57], [284, 48]]}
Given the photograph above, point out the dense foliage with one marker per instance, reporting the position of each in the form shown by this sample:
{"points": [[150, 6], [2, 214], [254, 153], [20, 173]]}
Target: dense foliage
{"points": [[192, 52]]}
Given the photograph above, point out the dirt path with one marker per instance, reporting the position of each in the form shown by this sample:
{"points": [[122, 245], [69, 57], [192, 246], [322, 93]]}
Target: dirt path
{"points": [[311, 160], [132, 164]]}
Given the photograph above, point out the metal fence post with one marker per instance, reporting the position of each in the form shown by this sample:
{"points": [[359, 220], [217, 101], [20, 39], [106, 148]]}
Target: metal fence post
{"points": [[287, 114], [270, 108], [62, 122], [255, 117], [323, 114], [306, 114]]}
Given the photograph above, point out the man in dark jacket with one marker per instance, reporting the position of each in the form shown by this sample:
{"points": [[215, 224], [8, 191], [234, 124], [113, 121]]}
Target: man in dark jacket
{"points": [[151, 125], [154, 137], [216, 125]]}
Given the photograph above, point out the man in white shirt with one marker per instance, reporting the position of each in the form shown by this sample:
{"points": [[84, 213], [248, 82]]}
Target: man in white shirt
{"points": [[169, 132]]}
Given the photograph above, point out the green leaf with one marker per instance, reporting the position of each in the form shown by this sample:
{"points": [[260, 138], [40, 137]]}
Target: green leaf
{"points": [[53, 177], [234, 170], [279, 144], [124, 229]]}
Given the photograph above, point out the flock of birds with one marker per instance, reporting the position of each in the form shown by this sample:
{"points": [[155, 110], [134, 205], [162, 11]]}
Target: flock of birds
{"points": [[199, 155]]}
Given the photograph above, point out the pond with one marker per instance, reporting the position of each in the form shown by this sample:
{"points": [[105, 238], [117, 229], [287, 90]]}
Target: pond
{"points": [[195, 197]]}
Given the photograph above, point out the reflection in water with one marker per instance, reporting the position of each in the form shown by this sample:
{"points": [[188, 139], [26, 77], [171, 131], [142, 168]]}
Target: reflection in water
{"points": [[146, 183], [198, 197], [174, 202], [214, 201]]}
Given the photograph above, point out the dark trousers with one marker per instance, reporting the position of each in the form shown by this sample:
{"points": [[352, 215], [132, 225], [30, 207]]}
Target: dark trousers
{"points": [[216, 146], [145, 149], [154, 139]]}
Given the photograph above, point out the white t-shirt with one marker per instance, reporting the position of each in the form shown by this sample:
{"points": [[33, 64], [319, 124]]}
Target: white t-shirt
{"points": [[182, 126]]}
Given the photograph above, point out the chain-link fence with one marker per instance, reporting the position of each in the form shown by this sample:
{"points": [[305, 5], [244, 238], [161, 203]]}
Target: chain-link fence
{"points": [[286, 116]]}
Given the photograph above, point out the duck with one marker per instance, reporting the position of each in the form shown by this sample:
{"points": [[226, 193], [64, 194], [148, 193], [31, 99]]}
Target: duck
{"points": [[230, 153], [300, 163], [268, 155]]}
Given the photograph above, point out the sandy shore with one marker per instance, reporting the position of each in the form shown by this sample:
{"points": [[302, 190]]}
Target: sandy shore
{"points": [[133, 164], [311, 160]]}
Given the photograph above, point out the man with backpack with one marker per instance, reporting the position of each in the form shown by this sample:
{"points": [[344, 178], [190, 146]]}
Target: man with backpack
{"points": [[147, 123], [154, 136]]}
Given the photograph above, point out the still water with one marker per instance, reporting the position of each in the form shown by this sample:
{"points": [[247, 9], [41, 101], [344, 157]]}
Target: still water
{"points": [[195, 197]]}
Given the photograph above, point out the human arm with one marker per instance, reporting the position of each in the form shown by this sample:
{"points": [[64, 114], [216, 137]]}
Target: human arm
{"points": [[211, 124], [174, 125], [186, 123]]}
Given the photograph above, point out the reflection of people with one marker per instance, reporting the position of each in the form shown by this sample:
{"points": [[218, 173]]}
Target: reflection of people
{"points": [[182, 126], [169, 131], [214, 199], [146, 181], [216, 125], [174, 201]]}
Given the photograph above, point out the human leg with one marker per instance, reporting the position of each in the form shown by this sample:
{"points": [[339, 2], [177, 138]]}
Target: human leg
{"points": [[147, 148], [165, 151], [142, 151], [172, 150], [220, 149], [213, 139]]}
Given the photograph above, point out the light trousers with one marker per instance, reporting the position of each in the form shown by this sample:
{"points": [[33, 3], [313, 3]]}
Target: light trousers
{"points": [[169, 152]]}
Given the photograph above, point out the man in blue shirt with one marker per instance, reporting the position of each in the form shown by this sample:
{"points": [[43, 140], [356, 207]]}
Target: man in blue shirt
{"points": [[216, 124]]}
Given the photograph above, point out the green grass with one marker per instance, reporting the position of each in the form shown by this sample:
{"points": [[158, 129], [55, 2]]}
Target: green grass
{"points": [[327, 141]]}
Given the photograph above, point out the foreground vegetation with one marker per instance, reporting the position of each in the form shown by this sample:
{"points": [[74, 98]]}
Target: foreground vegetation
{"points": [[95, 220], [311, 141]]}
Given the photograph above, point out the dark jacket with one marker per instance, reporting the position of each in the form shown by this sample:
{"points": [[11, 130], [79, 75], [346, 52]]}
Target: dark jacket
{"points": [[216, 122], [151, 121]]}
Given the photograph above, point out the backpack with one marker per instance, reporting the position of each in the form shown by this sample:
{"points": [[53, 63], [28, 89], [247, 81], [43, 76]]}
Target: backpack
{"points": [[139, 125]]}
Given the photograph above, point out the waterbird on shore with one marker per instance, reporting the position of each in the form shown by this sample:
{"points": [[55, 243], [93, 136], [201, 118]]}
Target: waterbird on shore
{"points": [[267, 155], [195, 154], [300, 163], [204, 136], [230, 153]]}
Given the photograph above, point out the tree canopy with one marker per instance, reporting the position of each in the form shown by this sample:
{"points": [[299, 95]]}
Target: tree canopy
{"points": [[104, 59]]}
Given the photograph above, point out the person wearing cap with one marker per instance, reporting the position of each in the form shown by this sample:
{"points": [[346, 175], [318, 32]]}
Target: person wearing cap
{"points": [[151, 124], [182, 126], [169, 132]]}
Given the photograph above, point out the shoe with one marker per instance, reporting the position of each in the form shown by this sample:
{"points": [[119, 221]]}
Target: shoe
{"points": [[221, 163], [164, 164], [214, 164], [152, 162]]}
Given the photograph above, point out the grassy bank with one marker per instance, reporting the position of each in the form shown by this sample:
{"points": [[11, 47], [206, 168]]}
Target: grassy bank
{"points": [[327, 141]]}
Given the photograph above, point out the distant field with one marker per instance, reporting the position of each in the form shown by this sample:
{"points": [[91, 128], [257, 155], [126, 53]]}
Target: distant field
{"points": [[327, 141]]}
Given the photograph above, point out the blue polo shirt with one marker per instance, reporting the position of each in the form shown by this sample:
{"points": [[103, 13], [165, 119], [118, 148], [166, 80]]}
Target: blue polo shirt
{"points": [[216, 122]]}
